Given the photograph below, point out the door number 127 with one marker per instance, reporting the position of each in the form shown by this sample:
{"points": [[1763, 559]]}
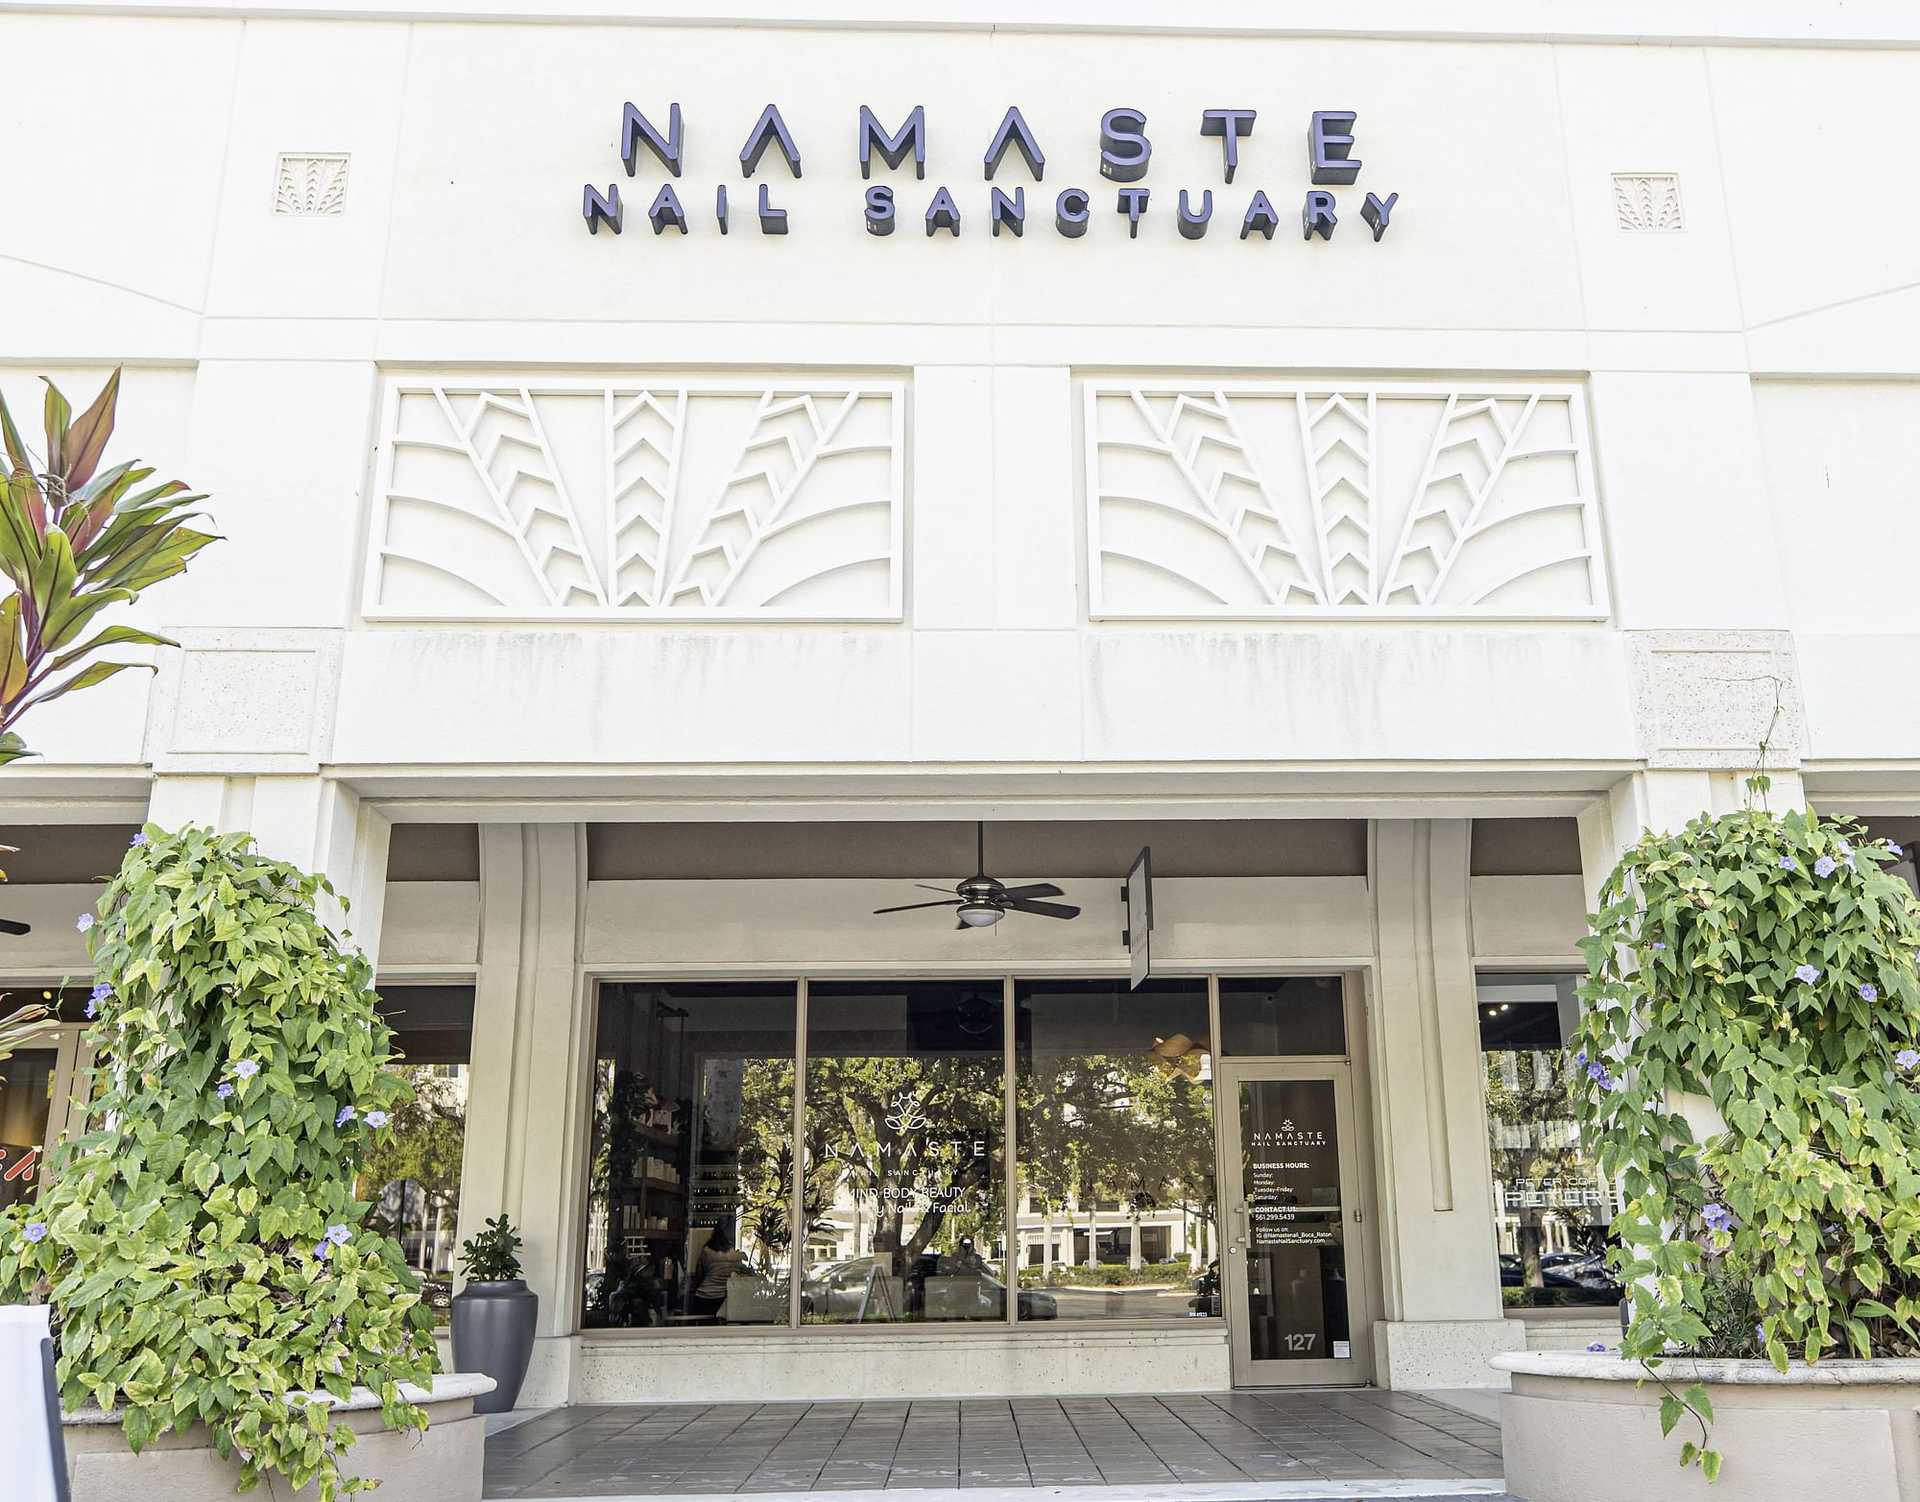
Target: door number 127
{"points": [[1301, 1342]]}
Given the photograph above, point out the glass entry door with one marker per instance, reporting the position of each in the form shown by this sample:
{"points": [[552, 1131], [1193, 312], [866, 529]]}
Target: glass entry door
{"points": [[1296, 1301]]}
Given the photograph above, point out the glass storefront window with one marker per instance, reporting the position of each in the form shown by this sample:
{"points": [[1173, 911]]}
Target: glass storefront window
{"points": [[1281, 1018], [690, 1211], [905, 1106], [1552, 1205], [1114, 1099], [412, 1172], [26, 1103]]}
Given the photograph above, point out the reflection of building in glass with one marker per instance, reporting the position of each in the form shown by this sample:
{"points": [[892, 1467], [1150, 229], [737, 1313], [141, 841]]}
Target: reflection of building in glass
{"points": [[1551, 1203]]}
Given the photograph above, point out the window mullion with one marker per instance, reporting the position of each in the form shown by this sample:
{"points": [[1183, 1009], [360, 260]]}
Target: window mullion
{"points": [[797, 1237]]}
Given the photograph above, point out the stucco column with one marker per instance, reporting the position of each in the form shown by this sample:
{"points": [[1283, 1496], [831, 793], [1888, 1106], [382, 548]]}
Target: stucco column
{"points": [[314, 821], [530, 1078], [1442, 1319]]}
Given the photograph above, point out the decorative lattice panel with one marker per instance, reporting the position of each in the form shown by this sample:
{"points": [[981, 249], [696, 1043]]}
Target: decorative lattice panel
{"points": [[677, 498], [1267, 499], [310, 184], [1647, 202]]}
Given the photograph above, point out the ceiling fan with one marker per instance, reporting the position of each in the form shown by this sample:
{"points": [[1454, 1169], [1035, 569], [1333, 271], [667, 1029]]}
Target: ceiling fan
{"points": [[982, 901]]}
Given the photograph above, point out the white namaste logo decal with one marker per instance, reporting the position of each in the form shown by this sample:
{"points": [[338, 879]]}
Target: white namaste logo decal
{"points": [[907, 1117]]}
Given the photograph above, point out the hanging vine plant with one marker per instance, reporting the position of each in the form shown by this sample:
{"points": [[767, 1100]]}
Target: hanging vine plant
{"points": [[1766, 962], [201, 1247]]}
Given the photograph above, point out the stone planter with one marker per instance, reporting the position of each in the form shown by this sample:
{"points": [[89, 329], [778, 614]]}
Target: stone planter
{"points": [[493, 1327], [1577, 1428], [442, 1465]]}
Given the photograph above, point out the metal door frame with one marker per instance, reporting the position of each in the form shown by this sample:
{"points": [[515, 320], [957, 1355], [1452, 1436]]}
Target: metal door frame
{"points": [[1355, 1369]]}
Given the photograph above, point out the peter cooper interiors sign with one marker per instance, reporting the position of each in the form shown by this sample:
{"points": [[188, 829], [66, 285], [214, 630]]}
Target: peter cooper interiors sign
{"points": [[1125, 151]]}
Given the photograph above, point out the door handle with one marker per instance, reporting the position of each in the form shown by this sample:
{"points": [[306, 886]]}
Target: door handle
{"points": [[1239, 1213]]}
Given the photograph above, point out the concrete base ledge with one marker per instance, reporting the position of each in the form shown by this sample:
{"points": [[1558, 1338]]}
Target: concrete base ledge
{"points": [[767, 1366], [1586, 1428], [442, 1465]]}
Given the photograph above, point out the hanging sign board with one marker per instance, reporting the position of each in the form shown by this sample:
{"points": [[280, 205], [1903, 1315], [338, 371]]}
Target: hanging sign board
{"points": [[1137, 894]]}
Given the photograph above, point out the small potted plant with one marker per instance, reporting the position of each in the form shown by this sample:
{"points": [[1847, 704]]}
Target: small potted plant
{"points": [[495, 1315]]}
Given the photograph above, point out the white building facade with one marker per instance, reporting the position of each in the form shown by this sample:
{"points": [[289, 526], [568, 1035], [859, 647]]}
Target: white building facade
{"points": [[1376, 469]]}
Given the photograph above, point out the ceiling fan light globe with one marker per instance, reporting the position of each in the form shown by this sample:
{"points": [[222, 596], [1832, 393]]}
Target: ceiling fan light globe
{"points": [[979, 915]]}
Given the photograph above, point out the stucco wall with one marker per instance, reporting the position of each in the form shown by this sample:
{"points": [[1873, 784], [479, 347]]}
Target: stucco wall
{"points": [[1715, 365]]}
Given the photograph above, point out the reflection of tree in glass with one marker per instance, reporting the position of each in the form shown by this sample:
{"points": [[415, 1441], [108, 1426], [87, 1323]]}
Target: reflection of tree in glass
{"points": [[764, 1141], [1540, 1142], [421, 1145], [909, 1137], [630, 1102], [1118, 1127]]}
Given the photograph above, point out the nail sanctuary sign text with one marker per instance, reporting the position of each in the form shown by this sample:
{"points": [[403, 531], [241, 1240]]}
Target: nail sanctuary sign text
{"points": [[1125, 151]]}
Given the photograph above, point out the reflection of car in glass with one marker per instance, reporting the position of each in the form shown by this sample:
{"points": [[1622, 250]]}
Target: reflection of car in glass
{"points": [[1513, 1272], [964, 1287], [1206, 1291], [437, 1293], [1589, 1273], [859, 1289]]}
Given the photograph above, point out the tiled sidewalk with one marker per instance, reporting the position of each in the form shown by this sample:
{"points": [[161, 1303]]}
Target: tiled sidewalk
{"points": [[1295, 1437]]}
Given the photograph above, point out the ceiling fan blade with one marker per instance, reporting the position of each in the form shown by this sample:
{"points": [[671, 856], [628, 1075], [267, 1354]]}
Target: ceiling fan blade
{"points": [[912, 906], [1032, 889], [14, 926], [925, 887], [1045, 909]]}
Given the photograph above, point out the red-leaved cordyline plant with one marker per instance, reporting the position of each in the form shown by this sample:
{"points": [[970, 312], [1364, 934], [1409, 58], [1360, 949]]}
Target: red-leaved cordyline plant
{"points": [[74, 540]]}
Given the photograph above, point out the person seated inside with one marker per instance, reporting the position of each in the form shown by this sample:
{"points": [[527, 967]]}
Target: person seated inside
{"points": [[718, 1261]]}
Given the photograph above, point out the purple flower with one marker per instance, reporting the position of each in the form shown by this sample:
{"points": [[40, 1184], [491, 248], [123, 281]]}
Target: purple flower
{"points": [[246, 1069], [100, 992], [138, 840], [1824, 867], [1717, 1217], [1894, 850], [347, 1113], [83, 922], [1869, 992], [1597, 1347], [1596, 1070], [36, 1230], [1760, 1334], [1658, 945], [1807, 974], [224, 1091], [1906, 1058], [376, 1119], [322, 1250], [89, 1010], [1787, 863], [339, 1235], [1846, 850], [1580, 1059]]}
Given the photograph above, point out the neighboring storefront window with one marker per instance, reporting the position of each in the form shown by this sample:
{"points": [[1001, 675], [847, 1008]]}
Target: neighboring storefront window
{"points": [[905, 1116], [690, 1215], [412, 1170], [1114, 1095], [26, 1103], [1552, 1204]]}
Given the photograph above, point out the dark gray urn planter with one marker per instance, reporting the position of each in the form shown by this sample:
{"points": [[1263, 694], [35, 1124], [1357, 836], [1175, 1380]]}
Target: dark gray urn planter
{"points": [[493, 1325]]}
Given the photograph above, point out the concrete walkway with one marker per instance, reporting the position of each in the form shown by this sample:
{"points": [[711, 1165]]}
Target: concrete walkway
{"points": [[1215, 1447]]}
